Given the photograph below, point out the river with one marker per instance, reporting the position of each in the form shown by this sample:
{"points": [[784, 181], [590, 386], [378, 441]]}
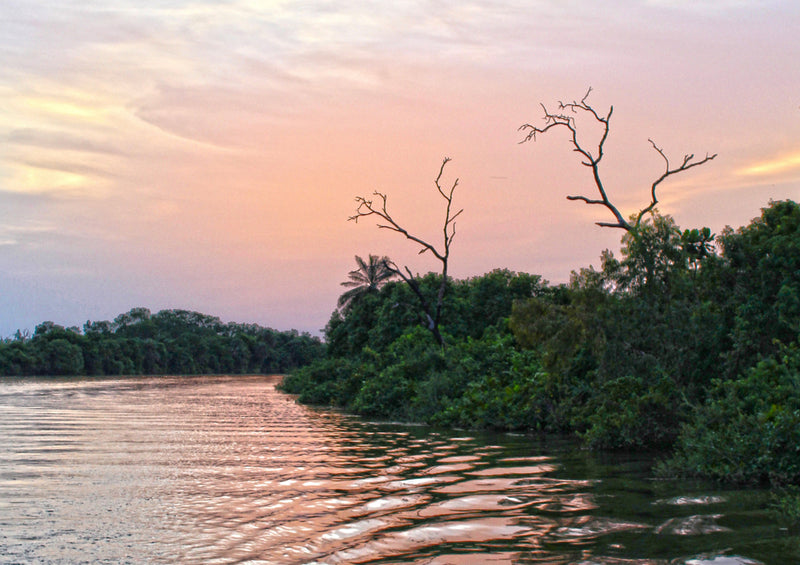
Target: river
{"points": [[227, 470]]}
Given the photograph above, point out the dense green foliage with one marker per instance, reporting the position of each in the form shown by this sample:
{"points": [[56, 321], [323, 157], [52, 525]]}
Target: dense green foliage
{"points": [[684, 341], [383, 362], [174, 342], [749, 428]]}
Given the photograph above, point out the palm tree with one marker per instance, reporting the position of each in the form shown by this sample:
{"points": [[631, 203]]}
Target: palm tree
{"points": [[369, 277]]}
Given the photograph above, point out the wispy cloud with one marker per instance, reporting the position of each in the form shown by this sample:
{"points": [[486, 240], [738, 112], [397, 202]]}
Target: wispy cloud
{"points": [[780, 165], [179, 143], [61, 140], [705, 6], [16, 234]]}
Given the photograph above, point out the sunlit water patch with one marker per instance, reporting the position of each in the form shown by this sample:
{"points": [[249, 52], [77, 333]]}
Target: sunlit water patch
{"points": [[227, 470]]}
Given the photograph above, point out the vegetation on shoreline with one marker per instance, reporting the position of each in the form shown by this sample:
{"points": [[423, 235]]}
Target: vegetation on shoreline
{"points": [[685, 341], [176, 342], [688, 341]]}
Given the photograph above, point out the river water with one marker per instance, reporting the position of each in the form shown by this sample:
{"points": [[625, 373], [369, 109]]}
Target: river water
{"points": [[227, 470]]}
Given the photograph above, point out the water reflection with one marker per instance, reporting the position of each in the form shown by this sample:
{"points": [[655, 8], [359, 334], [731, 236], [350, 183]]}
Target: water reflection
{"points": [[226, 470]]}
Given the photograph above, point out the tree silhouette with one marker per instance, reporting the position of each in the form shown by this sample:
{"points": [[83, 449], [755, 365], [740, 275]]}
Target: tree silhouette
{"points": [[566, 117], [368, 277], [369, 207]]}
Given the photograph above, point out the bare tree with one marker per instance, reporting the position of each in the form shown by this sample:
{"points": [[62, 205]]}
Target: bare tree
{"points": [[565, 117], [378, 207]]}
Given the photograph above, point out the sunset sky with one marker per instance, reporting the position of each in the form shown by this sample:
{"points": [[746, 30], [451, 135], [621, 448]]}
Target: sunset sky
{"points": [[205, 155]]}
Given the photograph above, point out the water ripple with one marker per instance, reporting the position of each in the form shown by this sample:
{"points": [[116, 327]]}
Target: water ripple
{"points": [[226, 470]]}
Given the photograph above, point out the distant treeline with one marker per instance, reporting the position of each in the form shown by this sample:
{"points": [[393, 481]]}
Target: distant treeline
{"points": [[685, 341], [176, 342]]}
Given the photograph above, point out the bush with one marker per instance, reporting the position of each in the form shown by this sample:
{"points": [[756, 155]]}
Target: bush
{"points": [[386, 396], [748, 431], [499, 386], [629, 412], [330, 382]]}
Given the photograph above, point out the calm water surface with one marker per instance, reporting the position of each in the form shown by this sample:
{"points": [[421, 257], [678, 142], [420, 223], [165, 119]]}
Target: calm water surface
{"points": [[227, 470]]}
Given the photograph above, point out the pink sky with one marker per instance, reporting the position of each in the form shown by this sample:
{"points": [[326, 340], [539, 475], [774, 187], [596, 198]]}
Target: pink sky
{"points": [[205, 155]]}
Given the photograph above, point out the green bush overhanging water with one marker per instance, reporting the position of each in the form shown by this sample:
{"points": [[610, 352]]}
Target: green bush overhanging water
{"points": [[686, 341]]}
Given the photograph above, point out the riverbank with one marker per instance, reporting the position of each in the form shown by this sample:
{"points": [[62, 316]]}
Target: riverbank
{"points": [[686, 342]]}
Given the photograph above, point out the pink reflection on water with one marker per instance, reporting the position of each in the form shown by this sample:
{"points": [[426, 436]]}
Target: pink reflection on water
{"points": [[532, 470], [418, 540], [227, 470]]}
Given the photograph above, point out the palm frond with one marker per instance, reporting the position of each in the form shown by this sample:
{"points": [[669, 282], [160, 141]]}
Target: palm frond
{"points": [[368, 277]]}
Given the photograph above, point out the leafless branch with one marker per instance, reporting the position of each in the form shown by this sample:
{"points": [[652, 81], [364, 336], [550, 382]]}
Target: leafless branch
{"points": [[565, 117], [384, 220], [688, 163], [367, 207]]}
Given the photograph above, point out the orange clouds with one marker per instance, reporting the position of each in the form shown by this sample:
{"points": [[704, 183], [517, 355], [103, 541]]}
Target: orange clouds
{"points": [[205, 155], [785, 164]]}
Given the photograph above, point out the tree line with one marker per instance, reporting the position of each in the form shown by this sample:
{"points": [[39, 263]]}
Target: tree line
{"points": [[175, 342], [687, 341]]}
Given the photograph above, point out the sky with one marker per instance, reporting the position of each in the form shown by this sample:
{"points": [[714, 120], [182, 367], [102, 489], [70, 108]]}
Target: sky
{"points": [[205, 155]]}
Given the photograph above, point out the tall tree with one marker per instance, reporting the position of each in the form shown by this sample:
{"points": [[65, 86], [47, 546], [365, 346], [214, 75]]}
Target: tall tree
{"points": [[369, 207], [567, 117], [368, 277]]}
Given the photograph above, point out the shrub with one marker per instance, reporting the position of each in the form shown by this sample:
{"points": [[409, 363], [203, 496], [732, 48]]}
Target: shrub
{"points": [[748, 430]]}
